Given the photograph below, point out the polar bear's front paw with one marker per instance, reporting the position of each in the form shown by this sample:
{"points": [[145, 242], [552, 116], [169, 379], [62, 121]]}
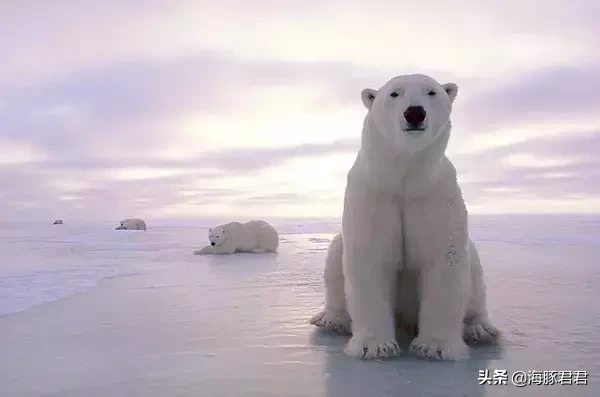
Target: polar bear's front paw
{"points": [[439, 349], [480, 331], [338, 322], [372, 349], [203, 251]]}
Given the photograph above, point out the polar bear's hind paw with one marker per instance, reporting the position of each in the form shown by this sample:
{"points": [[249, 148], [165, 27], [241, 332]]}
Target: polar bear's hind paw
{"points": [[480, 332]]}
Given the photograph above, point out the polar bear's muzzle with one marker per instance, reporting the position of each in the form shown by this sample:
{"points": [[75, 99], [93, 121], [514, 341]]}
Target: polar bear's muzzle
{"points": [[213, 243], [414, 117]]}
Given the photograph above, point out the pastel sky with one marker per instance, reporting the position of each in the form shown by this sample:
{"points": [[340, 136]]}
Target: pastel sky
{"points": [[251, 108]]}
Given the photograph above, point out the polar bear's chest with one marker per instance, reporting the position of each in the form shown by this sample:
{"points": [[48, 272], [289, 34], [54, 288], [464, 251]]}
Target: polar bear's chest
{"points": [[434, 230]]}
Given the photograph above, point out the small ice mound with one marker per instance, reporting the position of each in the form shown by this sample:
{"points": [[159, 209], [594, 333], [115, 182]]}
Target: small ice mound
{"points": [[132, 224], [58, 222], [319, 240]]}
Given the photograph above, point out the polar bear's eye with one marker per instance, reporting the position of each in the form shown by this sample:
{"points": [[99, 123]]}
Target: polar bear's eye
{"points": [[394, 94], [431, 93]]}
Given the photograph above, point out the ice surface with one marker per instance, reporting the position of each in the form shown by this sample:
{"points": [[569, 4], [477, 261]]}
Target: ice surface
{"points": [[89, 311]]}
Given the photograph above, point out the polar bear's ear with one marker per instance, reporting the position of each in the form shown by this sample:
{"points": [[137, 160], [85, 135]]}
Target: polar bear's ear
{"points": [[368, 96], [451, 89], [209, 230]]}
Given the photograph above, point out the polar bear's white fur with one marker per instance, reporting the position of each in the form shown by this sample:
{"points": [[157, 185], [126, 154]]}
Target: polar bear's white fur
{"points": [[404, 257], [253, 236], [132, 224]]}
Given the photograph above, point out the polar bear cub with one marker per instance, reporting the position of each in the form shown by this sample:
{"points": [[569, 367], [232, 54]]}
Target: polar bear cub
{"points": [[404, 256], [253, 236], [132, 224]]}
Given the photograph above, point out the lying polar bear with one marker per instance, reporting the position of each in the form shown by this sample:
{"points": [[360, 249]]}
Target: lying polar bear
{"points": [[132, 224], [404, 257], [254, 236]]}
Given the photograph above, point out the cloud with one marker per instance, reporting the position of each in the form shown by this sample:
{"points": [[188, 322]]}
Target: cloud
{"points": [[138, 104], [166, 109], [142, 103], [293, 198], [552, 167], [458, 35], [563, 94], [142, 186], [583, 144], [210, 163], [18, 152]]}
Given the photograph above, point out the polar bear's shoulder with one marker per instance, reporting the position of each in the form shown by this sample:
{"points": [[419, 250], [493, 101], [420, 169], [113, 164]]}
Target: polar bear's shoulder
{"points": [[243, 227], [256, 223], [231, 226]]}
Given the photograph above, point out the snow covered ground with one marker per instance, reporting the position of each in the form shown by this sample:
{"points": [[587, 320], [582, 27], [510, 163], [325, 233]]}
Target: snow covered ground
{"points": [[89, 311]]}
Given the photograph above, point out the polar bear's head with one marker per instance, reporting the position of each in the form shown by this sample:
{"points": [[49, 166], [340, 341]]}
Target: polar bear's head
{"points": [[411, 111], [217, 236]]}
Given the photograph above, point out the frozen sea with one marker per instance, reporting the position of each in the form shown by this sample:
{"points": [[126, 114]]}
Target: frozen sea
{"points": [[89, 311]]}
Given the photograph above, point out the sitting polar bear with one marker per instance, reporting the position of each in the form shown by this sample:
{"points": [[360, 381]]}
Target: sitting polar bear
{"points": [[253, 236], [132, 224], [404, 257]]}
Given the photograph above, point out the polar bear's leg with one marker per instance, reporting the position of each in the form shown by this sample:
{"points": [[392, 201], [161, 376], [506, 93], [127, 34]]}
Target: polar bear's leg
{"points": [[477, 328], [267, 237], [370, 284], [444, 298], [335, 316], [372, 230], [209, 249]]}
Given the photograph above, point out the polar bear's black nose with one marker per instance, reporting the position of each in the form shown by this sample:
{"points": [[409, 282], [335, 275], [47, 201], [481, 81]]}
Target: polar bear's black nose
{"points": [[415, 115], [213, 244]]}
